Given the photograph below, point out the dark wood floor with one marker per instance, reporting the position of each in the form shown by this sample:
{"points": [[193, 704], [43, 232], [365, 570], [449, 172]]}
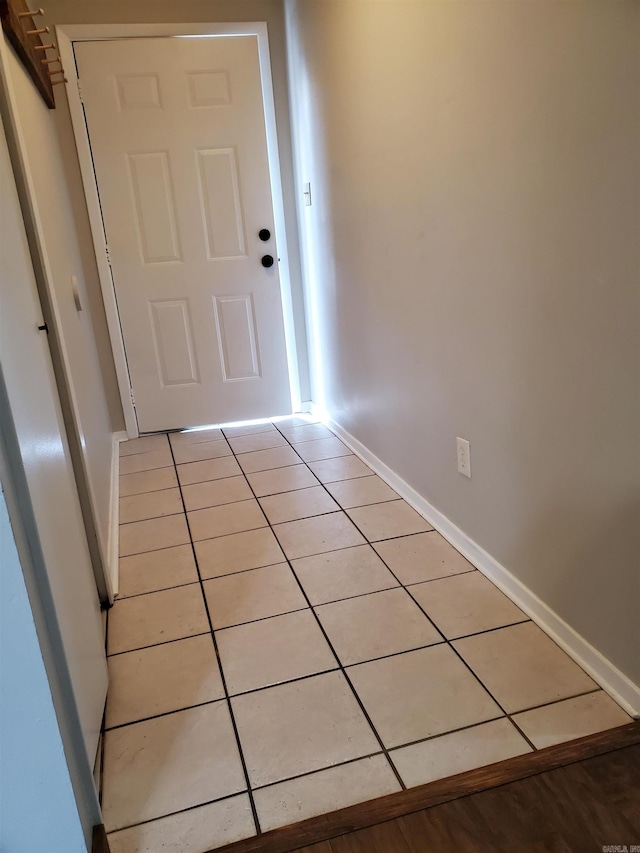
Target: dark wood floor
{"points": [[572, 797], [574, 809]]}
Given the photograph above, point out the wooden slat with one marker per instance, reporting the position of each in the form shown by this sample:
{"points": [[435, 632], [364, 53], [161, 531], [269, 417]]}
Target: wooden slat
{"points": [[24, 45], [387, 808]]}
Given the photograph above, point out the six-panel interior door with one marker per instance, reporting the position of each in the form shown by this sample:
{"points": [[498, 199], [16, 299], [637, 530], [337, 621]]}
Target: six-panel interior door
{"points": [[178, 138]]}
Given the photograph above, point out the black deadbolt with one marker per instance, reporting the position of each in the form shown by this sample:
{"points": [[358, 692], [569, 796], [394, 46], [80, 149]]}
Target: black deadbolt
{"points": [[267, 261], [264, 234]]}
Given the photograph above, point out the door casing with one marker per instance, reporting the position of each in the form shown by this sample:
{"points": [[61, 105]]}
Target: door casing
{"points": [[67, 34]]}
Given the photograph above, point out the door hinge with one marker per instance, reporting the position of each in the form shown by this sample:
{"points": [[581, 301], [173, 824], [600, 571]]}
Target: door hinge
{"points": [[80, 90], [133, 399], [106, 251]]}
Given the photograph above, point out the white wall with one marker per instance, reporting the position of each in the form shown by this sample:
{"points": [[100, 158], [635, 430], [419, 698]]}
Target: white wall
{"points": [[31, 415], [63, 250], [195, 11], [37, 807], [472, 262]]}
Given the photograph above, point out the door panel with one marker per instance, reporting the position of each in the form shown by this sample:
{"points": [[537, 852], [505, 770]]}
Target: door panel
{"points": [[236, 335], [178, 139], [153, 204], [221, 204], [173, 339]]}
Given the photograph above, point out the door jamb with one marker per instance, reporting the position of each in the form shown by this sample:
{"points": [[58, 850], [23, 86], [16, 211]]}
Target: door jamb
{"points": [[67, 34]]}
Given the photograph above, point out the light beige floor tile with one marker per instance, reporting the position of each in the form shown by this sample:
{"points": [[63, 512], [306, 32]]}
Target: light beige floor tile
{"points": [[325, 791], [459, 751], [299, 727], [238, 553], [152, 534], [340, 468], [343, 574], [191, 831], [148, 481], [201, 451], [152, 505], [146, 461], [388, 520], [154, 570], [466, 604], [303, 503], [228, 518], [372, 626], [258, 441], [419, 694], [570, 719], [196, 436], [422, 557], [248, 429], [216, 492], [308, 432], [317, 535], [157, 617], [321, 448], [361, 492], [522, 667], [161, 679], [251, 595], [272, 651], [143, 445], [280, 480], [169, 763], [210, 469], [265, 460]]}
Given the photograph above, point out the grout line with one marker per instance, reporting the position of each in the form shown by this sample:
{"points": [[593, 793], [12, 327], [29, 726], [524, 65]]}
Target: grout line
{"points": [[448, 643], [163, 713], [161, 643], [180, 811], [222, 676], [451, 732], [104, 711], [143, 470], [150, 518], [341, 667], [320, 770], [122, 597], [556, 702], [440, 577], [261, 618], [489, 630]]}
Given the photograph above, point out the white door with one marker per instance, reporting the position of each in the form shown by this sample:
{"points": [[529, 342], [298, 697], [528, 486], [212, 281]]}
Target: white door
{"points": [[178, 139], [37, 418]]}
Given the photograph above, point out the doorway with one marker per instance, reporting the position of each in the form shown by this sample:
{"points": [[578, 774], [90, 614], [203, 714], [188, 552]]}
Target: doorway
{"points": [[176, 138]]}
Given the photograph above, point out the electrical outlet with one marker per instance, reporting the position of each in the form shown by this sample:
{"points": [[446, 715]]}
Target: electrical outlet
{"points": [[464, 457]]}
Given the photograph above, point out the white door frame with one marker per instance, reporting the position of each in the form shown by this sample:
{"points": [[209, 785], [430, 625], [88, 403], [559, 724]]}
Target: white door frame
{"points": [[67, 34]]}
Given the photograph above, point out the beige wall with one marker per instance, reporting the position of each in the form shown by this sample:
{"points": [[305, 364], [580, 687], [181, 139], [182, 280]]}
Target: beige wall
{"points": [[472, 262], [195, 11]]}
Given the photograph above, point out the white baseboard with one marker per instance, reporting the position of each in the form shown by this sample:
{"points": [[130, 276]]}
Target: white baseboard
{"points": [[609, 677], [114, 511]]}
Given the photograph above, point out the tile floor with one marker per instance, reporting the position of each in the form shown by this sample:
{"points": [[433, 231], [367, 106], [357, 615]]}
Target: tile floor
{"points": [[291, 638]]}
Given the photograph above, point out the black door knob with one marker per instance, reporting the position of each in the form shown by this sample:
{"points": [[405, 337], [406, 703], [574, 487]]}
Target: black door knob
{"points": [[264, 234], [267, 261]]}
